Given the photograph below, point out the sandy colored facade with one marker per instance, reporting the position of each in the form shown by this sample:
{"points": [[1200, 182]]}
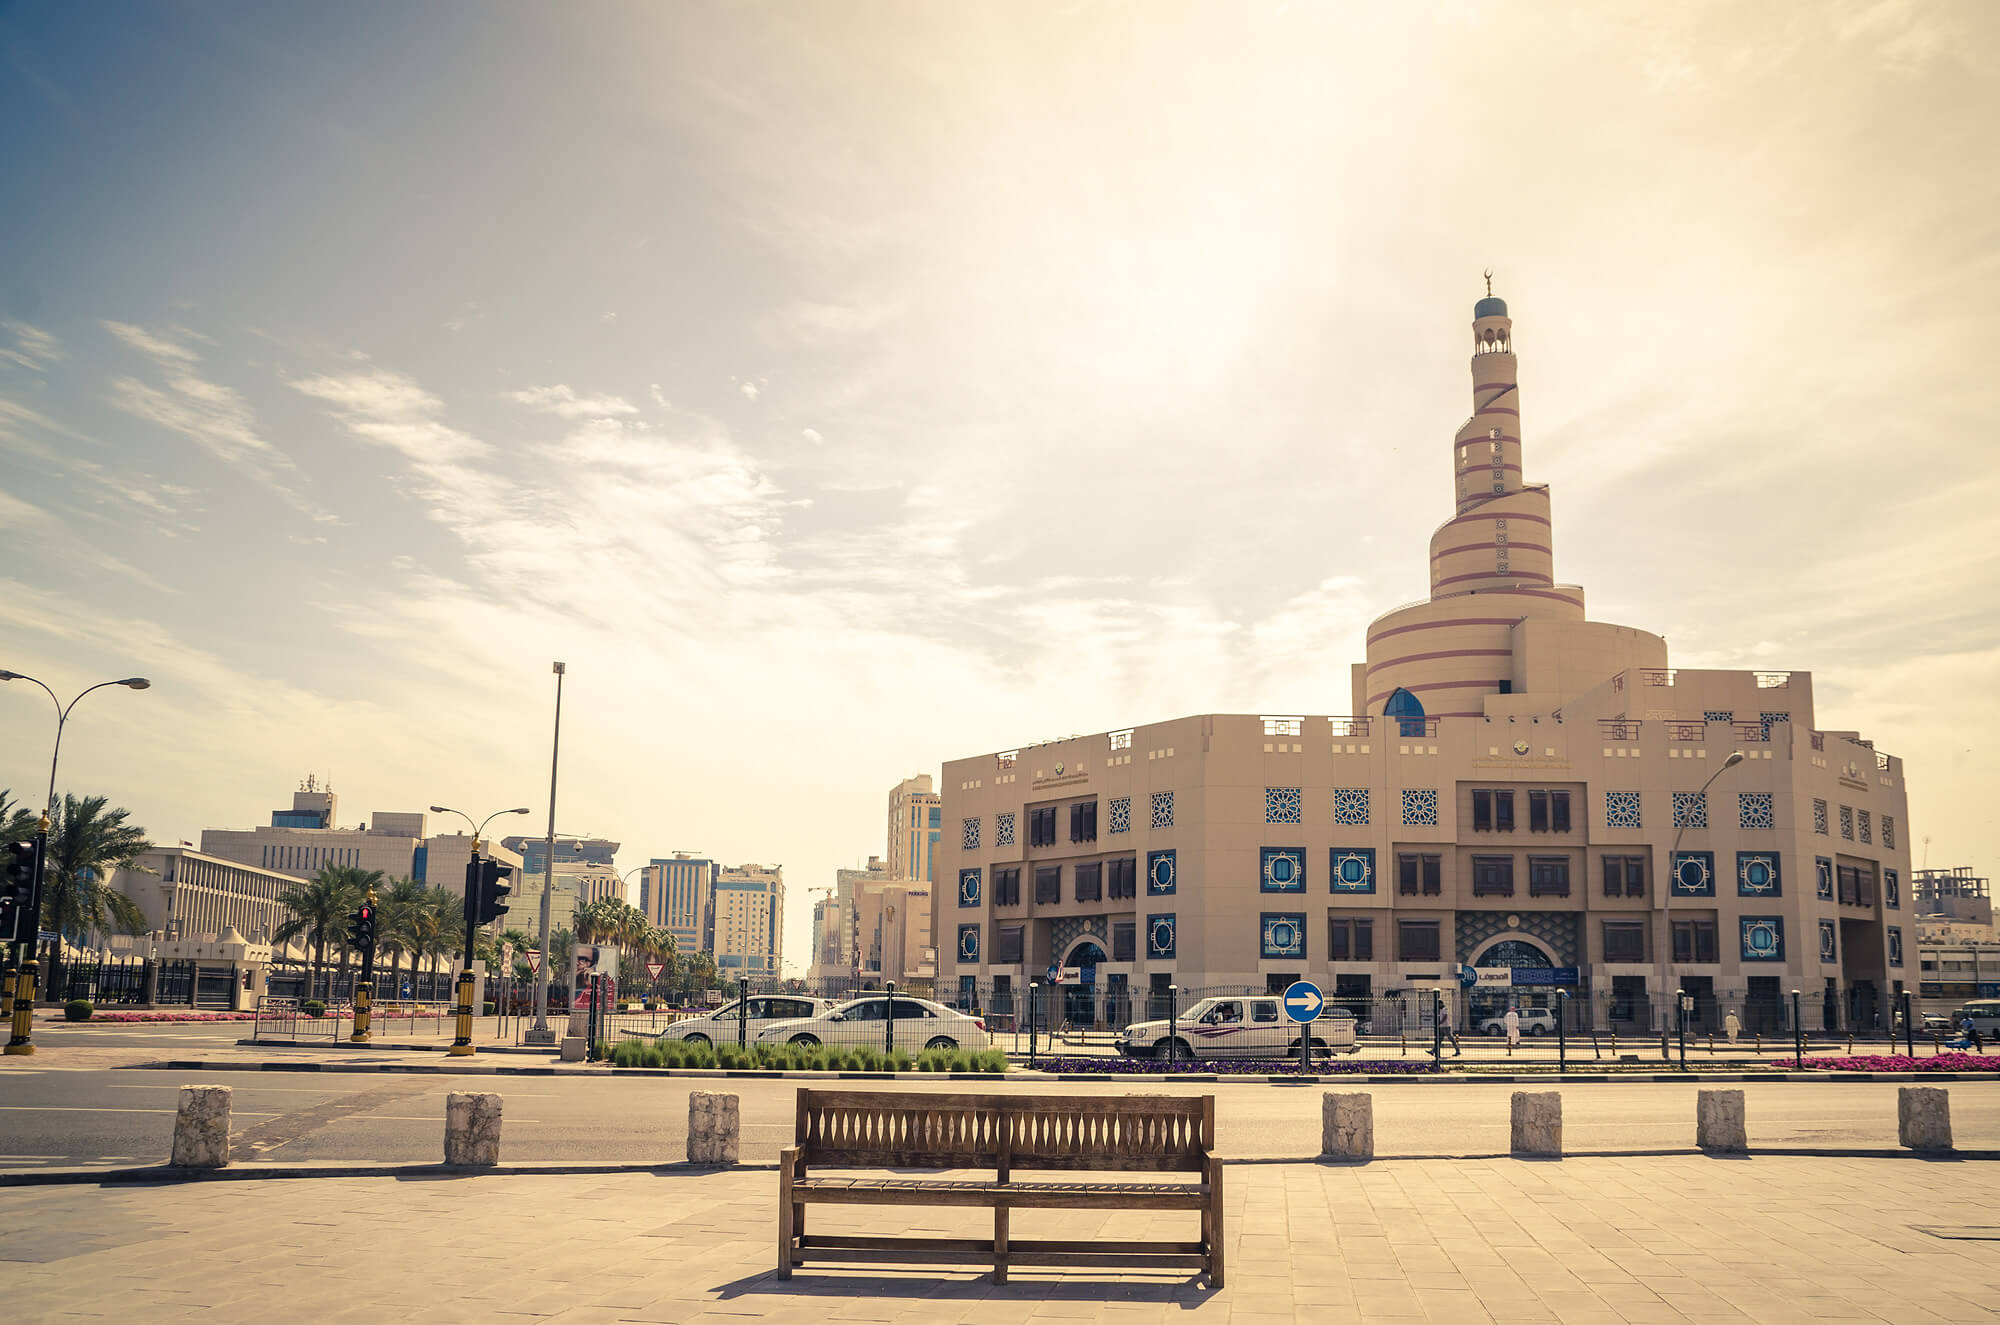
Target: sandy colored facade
{"points": [[873, 927], [749, 922], [1515, 788]]}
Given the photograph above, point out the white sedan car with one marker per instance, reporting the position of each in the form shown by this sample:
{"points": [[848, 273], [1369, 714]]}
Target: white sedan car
{"points": [[723, 1024], [858, 1024], [1251, 1027]]}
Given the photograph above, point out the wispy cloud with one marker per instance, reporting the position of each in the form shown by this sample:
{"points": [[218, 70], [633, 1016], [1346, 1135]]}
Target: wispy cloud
{"points": [[565, 403], [212, 416], [32, 348]]}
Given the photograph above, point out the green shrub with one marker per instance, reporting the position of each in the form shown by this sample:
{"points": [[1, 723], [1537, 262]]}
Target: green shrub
{"points": [[990, 1060], [312, 1007], [931, 1060], [78, 1009], [900, 1060]]}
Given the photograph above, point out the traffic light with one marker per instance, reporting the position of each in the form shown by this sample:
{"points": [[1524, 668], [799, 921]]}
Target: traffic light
{"points": [[18, 922], [361, 928], [493, 890]]}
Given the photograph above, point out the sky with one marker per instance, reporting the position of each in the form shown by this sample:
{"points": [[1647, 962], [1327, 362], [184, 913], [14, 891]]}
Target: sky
{"points": [[840, 389]]}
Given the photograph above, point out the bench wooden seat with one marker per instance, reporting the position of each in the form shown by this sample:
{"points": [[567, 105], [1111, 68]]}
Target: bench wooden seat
{"points": [[942, 1133]]}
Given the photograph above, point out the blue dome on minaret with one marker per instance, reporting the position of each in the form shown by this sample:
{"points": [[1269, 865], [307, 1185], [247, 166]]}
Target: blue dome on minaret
{"points": [[1490, 306]]}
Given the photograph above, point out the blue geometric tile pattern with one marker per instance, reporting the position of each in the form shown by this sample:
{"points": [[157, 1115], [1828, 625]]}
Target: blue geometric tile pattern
{"points": [[1003, 829], [1351, 870], [1690, 809], [1621, 809], [1763, 938], [1284, 934], [1163, 809], [1719, 715], [1160, 875], [1420, 807], [1847, 823], [1282, 869], [970, 839], [1121, 814], [1160, 935], [1754, 810], [968, 943], [968, 887], [1819, 816], [1694, 874], [1757, 874], [1889, 831], [1350, 806], [1281, 805], [1829, 942]]}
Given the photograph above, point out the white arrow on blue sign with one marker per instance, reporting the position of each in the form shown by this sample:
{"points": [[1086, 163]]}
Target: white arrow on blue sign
{"points": [[1303, 1001]]}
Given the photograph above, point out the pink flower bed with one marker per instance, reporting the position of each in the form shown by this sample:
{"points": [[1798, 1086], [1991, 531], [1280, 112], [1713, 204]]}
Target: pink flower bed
{"points": [[173, 1016], [1948, 1062]]}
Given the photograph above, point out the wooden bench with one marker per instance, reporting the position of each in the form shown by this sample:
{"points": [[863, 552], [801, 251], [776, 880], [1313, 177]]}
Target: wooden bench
{"points": [[1124, 1134]]}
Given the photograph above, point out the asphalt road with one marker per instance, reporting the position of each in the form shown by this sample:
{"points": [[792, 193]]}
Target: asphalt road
{"points": [[51, 1116]]}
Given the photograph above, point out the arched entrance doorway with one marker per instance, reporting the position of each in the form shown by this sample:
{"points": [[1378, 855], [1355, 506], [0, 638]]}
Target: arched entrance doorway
{"points": [[1080, 998], [1518, 954]]}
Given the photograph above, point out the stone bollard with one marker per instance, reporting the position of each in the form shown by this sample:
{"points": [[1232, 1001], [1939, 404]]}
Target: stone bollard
{"points": [[1718, 1122], [1347, 1125], [713, 1128], [1923, 1117], [1538, 1124], [201, 1128], [471, 1129]]}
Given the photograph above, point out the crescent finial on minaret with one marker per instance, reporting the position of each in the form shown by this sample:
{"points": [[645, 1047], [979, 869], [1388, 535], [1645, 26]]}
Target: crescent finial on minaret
{"points": [[1489, 280]]}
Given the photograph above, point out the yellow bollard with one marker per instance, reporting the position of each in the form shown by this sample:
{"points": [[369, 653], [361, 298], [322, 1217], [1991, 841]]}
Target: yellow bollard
{"points": [[1760, 1042], [1614, 1044], [1711, 1043], [24, 1010], [1850, 1044], [461, 1045], [364, 1000]]}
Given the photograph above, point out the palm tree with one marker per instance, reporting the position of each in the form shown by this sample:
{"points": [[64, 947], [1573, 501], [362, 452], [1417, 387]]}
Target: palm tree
{"points": [[320, 906], [86, 843], [396, 925], [16, 820]]}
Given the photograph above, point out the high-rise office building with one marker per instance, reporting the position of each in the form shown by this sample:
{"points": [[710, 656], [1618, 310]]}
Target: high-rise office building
{"points": [[678, 894], [915, 815], [749, 921]]}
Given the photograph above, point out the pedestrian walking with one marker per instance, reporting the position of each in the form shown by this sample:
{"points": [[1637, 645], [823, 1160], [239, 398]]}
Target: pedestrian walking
{"points": [[1512, 1021], [1971, 1029], [1732, 1025], [1447, 1030]]}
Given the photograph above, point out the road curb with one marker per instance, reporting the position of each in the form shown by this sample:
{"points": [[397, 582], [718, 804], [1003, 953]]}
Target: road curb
{"points": [[1068, 1078]]}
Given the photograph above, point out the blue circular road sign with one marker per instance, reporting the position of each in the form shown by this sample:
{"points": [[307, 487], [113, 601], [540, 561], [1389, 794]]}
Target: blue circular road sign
{"points": [[1303, 1001]]}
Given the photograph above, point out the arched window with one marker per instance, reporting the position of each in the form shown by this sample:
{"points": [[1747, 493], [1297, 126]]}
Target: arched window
{"points": [[1409, 709]]}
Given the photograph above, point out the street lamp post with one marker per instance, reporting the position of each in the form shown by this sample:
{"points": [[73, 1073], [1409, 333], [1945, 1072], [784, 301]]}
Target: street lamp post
{"points": [[1667, 891], [462, 1044], [21, 1039], [540, 1033]]}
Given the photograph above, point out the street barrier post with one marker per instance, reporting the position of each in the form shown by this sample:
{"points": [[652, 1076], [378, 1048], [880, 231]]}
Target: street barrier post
{"points": [[889, 1019], [1562, 1031], [742, 1014], [1173, 1025], [1034, 998], [1437, 1027], [1798, 1033]]}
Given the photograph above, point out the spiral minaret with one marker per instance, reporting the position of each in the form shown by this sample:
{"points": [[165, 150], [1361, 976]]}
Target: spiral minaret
{"points": [[1492, 564]]}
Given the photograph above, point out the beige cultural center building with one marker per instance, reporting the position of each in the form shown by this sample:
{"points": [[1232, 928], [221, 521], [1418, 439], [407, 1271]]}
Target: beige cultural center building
{"points": [[1519, 799]]}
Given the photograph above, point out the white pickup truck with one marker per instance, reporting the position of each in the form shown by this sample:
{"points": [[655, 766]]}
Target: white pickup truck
{"points": [[1253, 1026]]}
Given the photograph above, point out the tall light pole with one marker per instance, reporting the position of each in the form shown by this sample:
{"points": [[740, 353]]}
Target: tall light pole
{"points": [[21, 1039], [540, 1033], [1667, 891], [479, 831]]}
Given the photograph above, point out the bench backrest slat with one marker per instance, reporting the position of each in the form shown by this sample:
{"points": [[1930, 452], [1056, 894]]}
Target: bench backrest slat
{"points": [[885, 1129]]}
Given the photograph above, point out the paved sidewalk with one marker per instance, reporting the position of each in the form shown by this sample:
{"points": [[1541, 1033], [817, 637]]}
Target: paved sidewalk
{"points": [[1573, 1241]]}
